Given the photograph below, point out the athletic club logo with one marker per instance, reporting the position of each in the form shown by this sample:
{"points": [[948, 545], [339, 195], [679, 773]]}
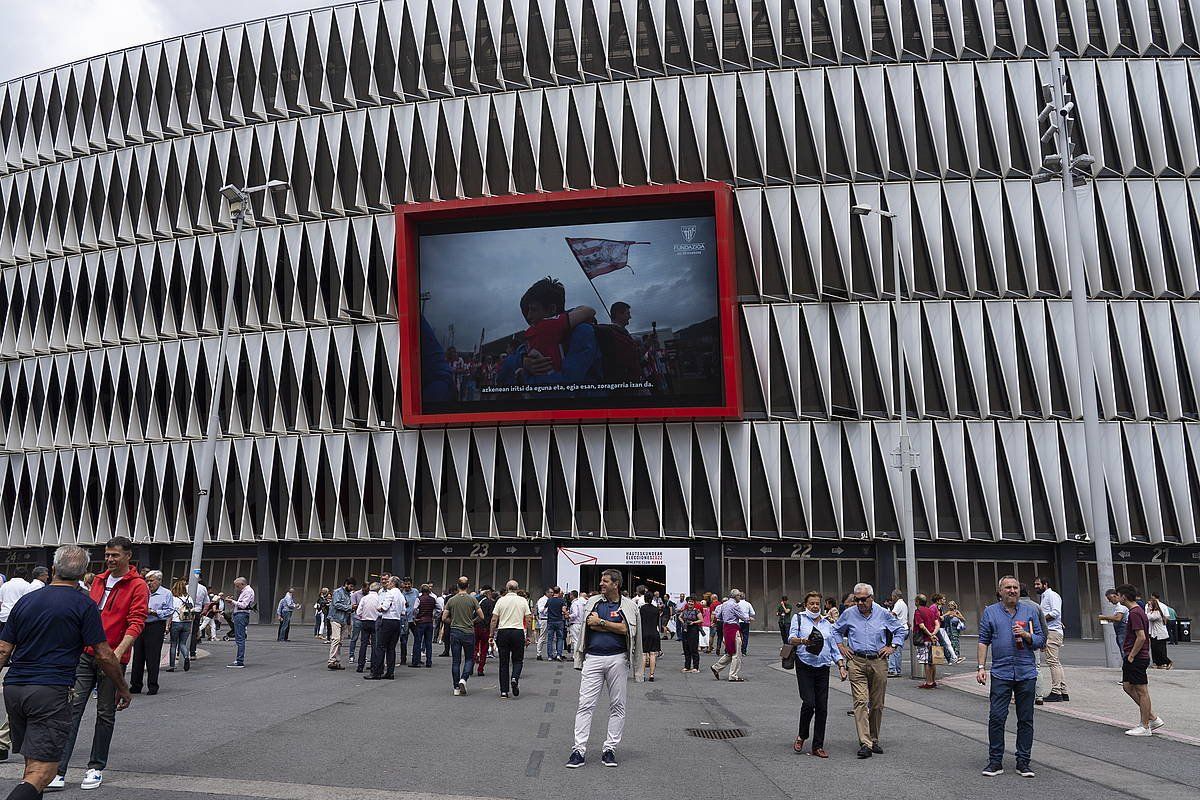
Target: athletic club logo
{"points": [[688, 231]]}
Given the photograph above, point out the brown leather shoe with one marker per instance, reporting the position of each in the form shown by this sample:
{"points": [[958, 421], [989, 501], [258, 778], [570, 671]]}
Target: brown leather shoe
{"points": [[799, 745], [819, 752]]}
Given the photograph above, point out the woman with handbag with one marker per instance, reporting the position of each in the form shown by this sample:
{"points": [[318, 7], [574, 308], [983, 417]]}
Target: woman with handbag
{"points": [[1158, 634], [815, 650], [927, 622]]}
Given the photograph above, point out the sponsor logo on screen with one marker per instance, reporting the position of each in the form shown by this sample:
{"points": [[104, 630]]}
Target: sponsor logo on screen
{"points": [[688, 247]]}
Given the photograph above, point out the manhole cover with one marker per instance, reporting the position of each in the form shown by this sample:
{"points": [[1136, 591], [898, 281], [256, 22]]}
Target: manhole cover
{"points": [[717, 733]]}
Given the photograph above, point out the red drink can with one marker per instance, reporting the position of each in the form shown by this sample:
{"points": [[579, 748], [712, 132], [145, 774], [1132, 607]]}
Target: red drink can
{"points": [[1020, 639]]}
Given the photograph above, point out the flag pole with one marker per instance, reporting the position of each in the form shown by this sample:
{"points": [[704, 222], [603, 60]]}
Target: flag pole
{"points": [[603, 304]]}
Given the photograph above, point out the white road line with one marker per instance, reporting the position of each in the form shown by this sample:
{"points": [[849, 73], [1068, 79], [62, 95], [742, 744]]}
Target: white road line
{"points": [[266, 790]]}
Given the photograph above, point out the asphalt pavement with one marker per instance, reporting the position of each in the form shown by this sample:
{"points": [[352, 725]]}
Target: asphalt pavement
{"points": [[285, 727]]}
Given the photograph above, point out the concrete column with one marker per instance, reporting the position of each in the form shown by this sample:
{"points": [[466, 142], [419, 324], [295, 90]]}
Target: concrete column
{"points": [[885, 569], [402, 558], [712, 567], [549, 567], [265, 574], [1067, 567]]}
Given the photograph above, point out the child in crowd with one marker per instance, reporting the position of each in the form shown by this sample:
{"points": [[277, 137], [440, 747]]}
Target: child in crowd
{"points": [[544, 307]]}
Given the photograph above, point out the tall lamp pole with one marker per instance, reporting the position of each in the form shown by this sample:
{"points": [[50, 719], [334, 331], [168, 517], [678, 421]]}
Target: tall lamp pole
{"points": [[238, 199], [1063, 165], [904, 457]]}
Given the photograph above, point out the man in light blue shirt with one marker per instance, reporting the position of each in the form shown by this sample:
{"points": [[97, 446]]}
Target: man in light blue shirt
{"points": [[866, 645], [1014, 632], [283, 612], [1051, 604], [406, 624], [731, 614]]}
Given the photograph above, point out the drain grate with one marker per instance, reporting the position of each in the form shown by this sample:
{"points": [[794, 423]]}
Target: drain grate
{"points": [[717, 733]]}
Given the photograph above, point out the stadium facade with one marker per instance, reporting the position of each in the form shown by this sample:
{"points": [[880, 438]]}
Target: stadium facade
{"points": [[114, 245]]}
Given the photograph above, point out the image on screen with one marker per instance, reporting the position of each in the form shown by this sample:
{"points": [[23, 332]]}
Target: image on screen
{"points": [[570, 311]]}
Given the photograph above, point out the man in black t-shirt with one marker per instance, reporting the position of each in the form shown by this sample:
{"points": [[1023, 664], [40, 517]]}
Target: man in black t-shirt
{"points": [[556, 624], [1136, 650], [41, 645], [487, 603]]}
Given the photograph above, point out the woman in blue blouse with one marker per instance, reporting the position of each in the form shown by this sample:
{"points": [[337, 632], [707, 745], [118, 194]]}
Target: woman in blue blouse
{"points": [[812, 670]]}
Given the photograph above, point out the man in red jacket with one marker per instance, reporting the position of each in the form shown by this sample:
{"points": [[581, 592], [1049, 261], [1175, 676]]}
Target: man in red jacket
{"points": [[124, 599]]}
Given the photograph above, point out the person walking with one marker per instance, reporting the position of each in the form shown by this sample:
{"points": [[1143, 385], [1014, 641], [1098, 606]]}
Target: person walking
{"points": [[783, 617], [321, 615], [367, 614], [732, 615], [899, 610], [13, 590], [543, 630], [949, 648], [147, 648], [610, 647], [423, 616], [716, 633], [953, 624], [927, 625], [816, 651], [339, 619], [356, 623], [243, 604], [1156, 612], [1015, 632], [744, 623], [200, 601], [705, 639], [283, 612], [866, 647], [181, 625], [1136, 648], [461, 613], [392, 609], [1051, 604], [556, 624], [649, 624], [124, 600], [483, 628], [687, 620], [511, 620], [408, 627], [42, 645], [1115, 616], [443, 625]]}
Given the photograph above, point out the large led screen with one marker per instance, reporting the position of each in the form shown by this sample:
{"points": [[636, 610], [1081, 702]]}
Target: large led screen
{"points": [[576, 305]]}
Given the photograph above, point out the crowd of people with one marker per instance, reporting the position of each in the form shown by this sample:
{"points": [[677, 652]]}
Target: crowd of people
{"points": [[69, 637]]}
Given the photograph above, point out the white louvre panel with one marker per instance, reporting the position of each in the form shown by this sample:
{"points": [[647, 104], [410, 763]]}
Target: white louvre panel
{"points": [[113, 238]]}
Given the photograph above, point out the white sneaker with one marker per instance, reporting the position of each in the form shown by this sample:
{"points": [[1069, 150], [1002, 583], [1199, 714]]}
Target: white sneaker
{"points": [[462, 686], [1156, 723], [92, 779], [1139, 731], [457, 692], [59, 782]]}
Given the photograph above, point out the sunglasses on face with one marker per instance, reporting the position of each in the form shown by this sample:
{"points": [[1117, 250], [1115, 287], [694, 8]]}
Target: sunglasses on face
{"points": [[862, 599]]}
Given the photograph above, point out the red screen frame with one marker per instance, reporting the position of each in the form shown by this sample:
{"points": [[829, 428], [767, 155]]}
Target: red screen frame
{"points": [[409, 217]]}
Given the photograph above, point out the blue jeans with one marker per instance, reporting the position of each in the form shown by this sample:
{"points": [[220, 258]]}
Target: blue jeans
{"points": [[423, 643], [285, 625], [461, 644], [556, 638], [355, 632], [1002, 691], [240, 620], [745, 626], [896, 661], [181, 632]]}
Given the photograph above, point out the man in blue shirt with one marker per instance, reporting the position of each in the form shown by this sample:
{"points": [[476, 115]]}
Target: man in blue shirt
{"points": [[41, 645], [870, 634], [556, 625], [1014, 631]]}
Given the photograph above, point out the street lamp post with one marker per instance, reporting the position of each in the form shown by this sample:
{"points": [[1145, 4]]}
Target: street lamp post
{"points": [[1062, 165], [904, 457], [239, 205]]}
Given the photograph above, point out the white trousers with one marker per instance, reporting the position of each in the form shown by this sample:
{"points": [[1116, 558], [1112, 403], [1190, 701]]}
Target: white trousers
{"points": [[732, 660], [541, 638], [611, 673]]}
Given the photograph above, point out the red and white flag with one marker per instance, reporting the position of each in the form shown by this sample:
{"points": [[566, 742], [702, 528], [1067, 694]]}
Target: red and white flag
{"points": [[600, 256]]}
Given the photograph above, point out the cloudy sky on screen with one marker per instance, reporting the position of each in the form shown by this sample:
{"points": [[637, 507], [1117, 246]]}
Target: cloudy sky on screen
{"points": [[40, 34], [476, 280]]}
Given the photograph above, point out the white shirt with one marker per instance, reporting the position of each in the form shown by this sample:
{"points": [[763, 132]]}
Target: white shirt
{"points": [[392, 604], [36, 583], [900, 611], [12, 591], [541, 607], [640, 600], [179, 608], [109, 583], [368, 606], [201, 595], [746, 608], [1052, 607], [577, 608]]}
